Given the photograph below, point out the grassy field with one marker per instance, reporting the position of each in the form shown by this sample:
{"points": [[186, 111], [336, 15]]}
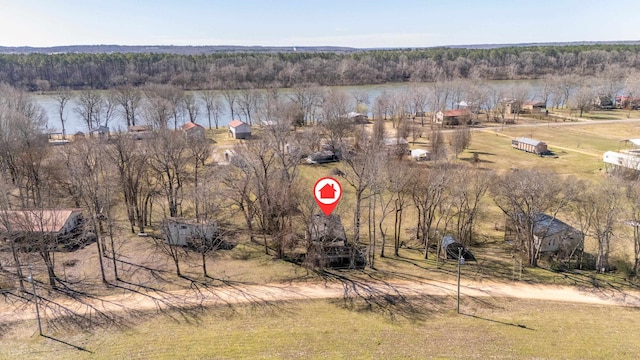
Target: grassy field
{"points": [[425, 328], [596, 114]]}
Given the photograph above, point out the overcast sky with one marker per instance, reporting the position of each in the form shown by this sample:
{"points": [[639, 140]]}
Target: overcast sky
{"points": [[353, 23]]}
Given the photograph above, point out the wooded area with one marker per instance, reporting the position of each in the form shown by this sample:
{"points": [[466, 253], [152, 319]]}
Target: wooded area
{"points": [[268, 70]]}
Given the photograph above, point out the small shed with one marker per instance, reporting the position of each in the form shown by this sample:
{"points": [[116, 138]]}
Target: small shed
{"points": [[229, 154], [529, 145], [183, 232], [193, 130], [450, 248], [239, 129]]}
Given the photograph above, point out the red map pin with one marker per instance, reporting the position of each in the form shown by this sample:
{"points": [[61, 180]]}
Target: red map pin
{"points": [[327, 193]]}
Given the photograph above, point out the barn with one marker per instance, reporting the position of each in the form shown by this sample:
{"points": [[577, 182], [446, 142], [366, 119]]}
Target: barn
{"points": [[529, 145]]}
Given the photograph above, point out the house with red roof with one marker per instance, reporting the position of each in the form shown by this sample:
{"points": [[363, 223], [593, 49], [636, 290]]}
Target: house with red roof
{"points": [[453, 117], [193, 130], [239, 129]]}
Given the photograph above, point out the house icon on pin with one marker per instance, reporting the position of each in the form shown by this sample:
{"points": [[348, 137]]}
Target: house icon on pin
{"points": [[327, 192]]}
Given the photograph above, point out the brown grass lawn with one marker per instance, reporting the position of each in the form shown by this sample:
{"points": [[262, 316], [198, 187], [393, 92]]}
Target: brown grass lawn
{"points": [[423, 328]]}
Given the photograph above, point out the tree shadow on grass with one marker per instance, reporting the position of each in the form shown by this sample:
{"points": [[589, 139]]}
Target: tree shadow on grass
{"points": [[80, 348], [383, 297], [521, 326]]}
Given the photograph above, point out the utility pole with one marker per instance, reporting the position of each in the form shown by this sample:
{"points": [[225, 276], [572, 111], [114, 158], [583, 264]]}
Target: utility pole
{"points": [[35, 298], [459, 262]]}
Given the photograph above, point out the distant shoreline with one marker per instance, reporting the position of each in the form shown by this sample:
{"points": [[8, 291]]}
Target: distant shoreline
{"points": [[210, 49]]}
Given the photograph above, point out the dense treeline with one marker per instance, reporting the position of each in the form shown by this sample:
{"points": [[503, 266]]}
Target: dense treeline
{"points": [[251, 70]]}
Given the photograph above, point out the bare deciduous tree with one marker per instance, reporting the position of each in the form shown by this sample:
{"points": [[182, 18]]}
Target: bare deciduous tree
{"points": [[131, 161], [438, 148], [359, 169], [604, 206], [167, 158], [248, 101], [584, 97], [460, 139], [231, 96], [213, 106], [89, 107], [130, 100], [428, 194], [467, 192], [306, 97], [523, 196], [191, 105], [62, 98]]}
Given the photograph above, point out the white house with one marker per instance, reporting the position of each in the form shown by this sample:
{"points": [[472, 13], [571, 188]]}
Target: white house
{"points": [[239, 129]]}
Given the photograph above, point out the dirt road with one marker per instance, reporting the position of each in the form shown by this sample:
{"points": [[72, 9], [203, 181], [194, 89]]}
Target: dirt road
{"points": [[239, 294]]}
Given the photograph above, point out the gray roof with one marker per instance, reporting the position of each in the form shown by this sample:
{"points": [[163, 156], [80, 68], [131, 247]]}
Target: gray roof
{"points": [[528, 141], [546, 225]]}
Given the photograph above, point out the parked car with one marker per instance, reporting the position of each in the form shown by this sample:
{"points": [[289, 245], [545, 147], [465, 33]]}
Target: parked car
{"points": [[322, 157]]}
